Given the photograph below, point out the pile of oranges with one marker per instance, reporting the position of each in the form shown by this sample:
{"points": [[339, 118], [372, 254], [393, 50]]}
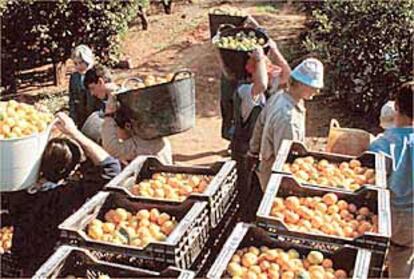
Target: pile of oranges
{"points": [[171, 186], [151, 80], [266, 263], [324, 215], [6, 235], [123, 227], [349, 175], [20, 119]]}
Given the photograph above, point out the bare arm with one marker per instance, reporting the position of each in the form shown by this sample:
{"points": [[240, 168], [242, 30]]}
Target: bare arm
{"points": [[92, 150], [260, 76], [277, 58]]}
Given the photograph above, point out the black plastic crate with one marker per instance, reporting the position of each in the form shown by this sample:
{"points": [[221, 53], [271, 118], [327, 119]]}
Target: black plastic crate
{"points": [[218, 193], [8, 264], [377, 200], [180, 248], [290, 150], [80, 262], [353, 260]]}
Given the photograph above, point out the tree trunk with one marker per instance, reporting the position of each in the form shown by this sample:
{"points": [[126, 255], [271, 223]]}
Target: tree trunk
{"points": [[143, 16], [59, 73], [167, 6]]}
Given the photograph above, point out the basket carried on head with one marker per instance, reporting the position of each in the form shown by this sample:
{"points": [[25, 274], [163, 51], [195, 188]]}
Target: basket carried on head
{"points": [[216, 20], [233, 61], [162, 109]]}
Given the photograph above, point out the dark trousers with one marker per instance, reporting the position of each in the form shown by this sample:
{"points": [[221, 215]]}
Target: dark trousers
{"points": [[227, 89], [250, 192]]}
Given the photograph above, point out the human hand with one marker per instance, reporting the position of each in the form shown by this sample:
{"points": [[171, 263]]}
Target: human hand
{"points": [[65, 124], [257, 54]]}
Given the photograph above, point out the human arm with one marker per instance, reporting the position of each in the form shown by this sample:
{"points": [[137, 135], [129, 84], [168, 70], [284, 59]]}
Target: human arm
{"points": [[259, 75], [125, 150], [92, 150], [277, 58]]}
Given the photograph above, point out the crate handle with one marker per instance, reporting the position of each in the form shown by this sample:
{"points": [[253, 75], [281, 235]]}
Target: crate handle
{"points": [[384, 217], [380, 174], [363, 260], [271, 191], [54, 261], [133, 168], [282, 155], [232, 243], [99, 198], [219, 179]]}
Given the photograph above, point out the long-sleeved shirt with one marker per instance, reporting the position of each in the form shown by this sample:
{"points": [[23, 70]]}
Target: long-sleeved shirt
{"points": [[129, 149], [38, 214], [282, 118], [399, 144], [81, 102]]}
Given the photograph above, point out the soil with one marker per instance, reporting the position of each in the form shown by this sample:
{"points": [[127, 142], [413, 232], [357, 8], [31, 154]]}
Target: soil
{"points": [[181, 40]]}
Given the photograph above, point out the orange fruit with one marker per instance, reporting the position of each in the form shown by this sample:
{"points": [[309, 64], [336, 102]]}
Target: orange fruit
{"points": [[330, 198], [340, 274]]}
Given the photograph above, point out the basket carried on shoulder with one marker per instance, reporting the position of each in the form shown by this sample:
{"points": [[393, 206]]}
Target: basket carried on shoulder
{"points": [[163, 109]]}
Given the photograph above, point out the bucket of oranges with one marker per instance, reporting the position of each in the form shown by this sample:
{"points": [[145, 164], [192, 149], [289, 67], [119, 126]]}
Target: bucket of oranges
{"points": [[24, 133]]}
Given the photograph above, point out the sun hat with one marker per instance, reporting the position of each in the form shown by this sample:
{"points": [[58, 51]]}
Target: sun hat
{"points": [[309, 72], [85, 53]]}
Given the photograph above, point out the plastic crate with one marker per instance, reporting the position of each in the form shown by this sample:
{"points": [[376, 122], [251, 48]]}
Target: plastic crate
{"points": [[80, 262], [218, 193], [180, 248], [290, 150], [353, 260], [377, 200], [8, 264]]}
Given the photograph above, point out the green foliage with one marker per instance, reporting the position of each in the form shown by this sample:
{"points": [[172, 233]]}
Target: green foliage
{"points": [[366, 46], [38, 32]]}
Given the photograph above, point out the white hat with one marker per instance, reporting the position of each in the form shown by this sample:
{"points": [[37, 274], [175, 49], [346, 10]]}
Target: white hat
{"points": [[387, 115], [309, 72], [85, 53]]}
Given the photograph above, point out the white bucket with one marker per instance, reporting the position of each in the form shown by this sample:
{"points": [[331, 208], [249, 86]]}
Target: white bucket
{"points": [[20, 160]]}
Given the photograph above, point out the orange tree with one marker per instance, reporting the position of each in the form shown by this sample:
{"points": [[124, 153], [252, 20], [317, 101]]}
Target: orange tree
{"points": [[35, 33], [366, 46]]}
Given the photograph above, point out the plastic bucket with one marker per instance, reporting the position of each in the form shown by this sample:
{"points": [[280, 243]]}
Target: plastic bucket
{"points": [[20, 160], [161, 110], [233, 62]]}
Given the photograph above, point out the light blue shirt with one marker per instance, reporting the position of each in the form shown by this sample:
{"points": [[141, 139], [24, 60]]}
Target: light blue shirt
{"points": [[399, 144]]}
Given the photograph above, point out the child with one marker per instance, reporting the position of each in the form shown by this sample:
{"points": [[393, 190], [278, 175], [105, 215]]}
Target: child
{"points": [[127, 147], [284, 116], [249, 100], [398, 142], [81, 103]]}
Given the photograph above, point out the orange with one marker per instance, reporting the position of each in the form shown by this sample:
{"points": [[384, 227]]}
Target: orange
{"points": [[340, 274], [342, 204], [330, 198]]}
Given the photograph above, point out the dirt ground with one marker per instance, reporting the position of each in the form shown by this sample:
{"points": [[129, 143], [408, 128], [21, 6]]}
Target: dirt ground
{"points": [[181, 40]]}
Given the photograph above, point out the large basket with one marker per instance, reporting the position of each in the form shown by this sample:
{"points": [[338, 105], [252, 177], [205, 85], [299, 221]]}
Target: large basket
{"points": [[219, 193], [216, 20], [20, 160], [290, 150], [180, 248], [377, 200], [163, 109], [355, 261], [233, 62], [83, 263]]}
